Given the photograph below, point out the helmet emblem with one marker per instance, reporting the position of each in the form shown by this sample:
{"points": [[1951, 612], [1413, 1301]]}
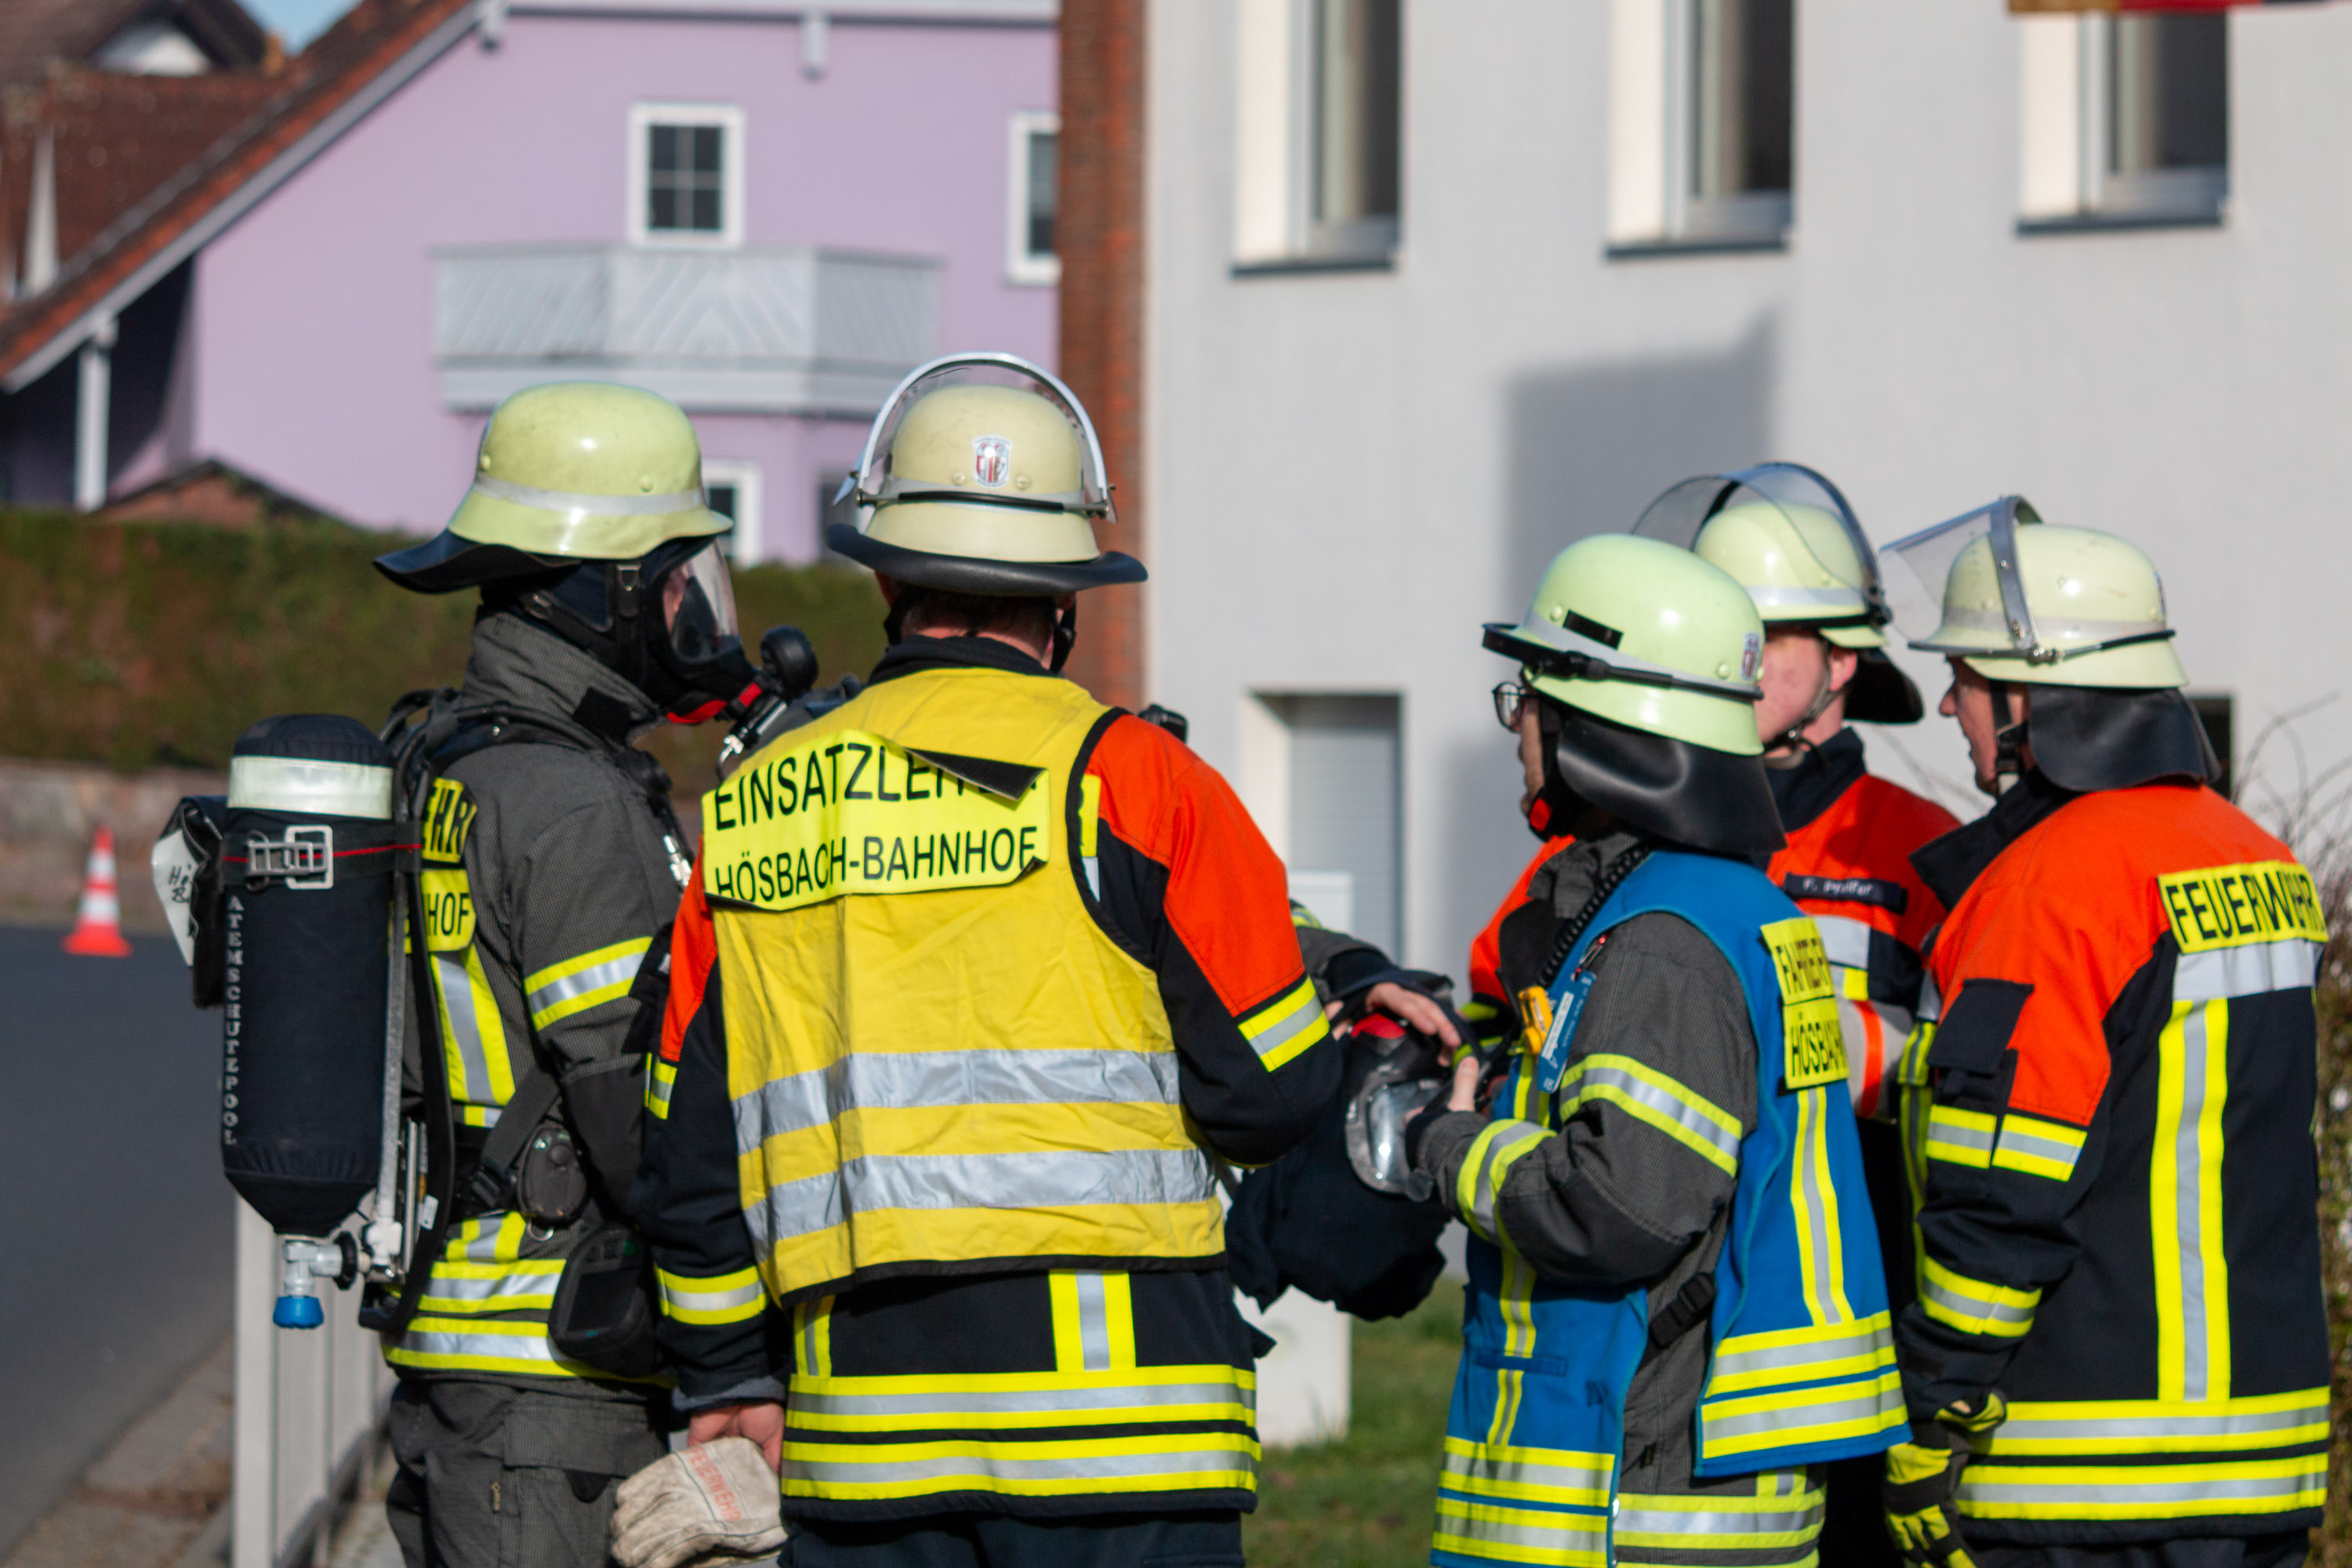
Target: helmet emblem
{"points": [[991, 457], [1751, 656]]}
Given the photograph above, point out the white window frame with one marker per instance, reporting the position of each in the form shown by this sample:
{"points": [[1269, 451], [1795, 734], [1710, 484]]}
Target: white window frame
{"points": [[728, 117], [747, 546], [1653, 70], [2065, 92], [1274, 134], [1021, 264]]}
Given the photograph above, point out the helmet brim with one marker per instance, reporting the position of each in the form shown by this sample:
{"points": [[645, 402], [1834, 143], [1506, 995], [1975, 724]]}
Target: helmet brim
{"points": [[975, 574], [448, 561], [1880, 693]]}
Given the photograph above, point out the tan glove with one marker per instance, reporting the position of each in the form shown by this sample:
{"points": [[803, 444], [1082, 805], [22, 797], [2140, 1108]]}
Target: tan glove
{"points": [[717, 1500]]}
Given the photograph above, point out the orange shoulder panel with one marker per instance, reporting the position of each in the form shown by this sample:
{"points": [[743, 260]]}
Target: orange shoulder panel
{"points": [[1871, 831], [2072, 910], [1486, 948], [693, 948], [1228, 898]]}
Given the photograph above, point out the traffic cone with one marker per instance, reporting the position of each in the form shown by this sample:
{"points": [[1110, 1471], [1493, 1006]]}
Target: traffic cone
{"points": [[98, 934]]}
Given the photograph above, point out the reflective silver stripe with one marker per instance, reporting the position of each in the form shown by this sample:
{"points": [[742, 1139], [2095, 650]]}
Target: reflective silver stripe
{"points": [[302, 788], [1774, 597], [621, 972], [1094, 877], [1094, 1322], [593, 505], [992, 1461], [2188, 1167], [481, 1351], [1673, 1106], [1845, 941], [1547, 1531], [1132, 1177], [1825, 1266], [1481, 1200], [2249, 971], [480, 1242], [1306, 1016], [2121, 1432], [1870, 1338], [1943, 1128], [1735, 1520], [660, 1088], [1861, 1402], [465, 1028], [2054, 1490], [535, 1278], [893, 1080], [1487, 1471], [2016, 1138], [678, 1302], [2008, 1318], [1017, 1402]]}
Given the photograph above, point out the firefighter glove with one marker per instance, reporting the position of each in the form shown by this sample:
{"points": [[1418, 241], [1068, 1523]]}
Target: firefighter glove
{"points": [[715, 1502], [1923, 1478]]}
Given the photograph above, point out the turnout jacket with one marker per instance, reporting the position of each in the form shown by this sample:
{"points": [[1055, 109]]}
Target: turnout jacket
{"points": [[2110, 1126], [953, 1146], [1848, 865], [1614, 1362], [548, 876]]}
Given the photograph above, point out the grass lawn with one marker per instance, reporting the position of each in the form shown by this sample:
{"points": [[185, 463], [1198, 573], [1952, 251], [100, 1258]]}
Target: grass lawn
{"points": [[1367, 1502]]}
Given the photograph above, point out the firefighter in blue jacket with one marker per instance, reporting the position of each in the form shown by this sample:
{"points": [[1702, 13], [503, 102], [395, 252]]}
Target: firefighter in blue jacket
{"points": [[1675, 1307]]}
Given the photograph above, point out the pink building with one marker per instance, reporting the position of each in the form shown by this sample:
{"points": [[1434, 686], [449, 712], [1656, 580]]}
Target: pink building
{"points": [[769, 211]]}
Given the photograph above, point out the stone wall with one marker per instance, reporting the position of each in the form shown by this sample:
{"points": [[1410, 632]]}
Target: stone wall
{"points": [[49, 812]]}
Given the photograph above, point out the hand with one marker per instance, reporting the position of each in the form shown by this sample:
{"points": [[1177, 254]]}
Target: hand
{"points": [[1414, 1009], [761, 1422], [1921, 1481], [1463, 1095]]}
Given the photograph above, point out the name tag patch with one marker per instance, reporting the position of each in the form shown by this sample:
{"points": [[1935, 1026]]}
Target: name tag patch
{"points": [[1812, 1047], [2237, 906], [449, 911], [850, 812]]}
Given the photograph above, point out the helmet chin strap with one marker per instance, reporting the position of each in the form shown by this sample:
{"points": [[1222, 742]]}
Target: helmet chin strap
{"points": [[2007, 742]]}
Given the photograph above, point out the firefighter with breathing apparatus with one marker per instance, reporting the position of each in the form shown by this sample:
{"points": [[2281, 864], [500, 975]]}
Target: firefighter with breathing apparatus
{"points": [[551, 869], [1788, 536], [976, 980], [1676, 1310], [2120, 1351]]}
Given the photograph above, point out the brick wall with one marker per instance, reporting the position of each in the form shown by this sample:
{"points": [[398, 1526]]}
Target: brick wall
{"points": [[1100, 235]]}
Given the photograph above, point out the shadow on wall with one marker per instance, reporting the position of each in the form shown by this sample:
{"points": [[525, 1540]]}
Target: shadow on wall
{"points": [[1589, 448]]}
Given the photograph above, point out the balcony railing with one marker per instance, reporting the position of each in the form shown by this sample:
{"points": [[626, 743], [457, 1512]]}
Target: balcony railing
{"points": [[765, 330]]}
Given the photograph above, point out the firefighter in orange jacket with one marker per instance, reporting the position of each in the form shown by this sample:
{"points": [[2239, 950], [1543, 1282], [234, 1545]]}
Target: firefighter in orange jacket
{"points": [[2119, 1354], [976, 980], [1788, 536]]}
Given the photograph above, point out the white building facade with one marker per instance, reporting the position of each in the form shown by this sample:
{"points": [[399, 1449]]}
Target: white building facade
{"points": [[1436, 288]]}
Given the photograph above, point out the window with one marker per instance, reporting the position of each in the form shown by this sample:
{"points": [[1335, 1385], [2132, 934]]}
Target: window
{"points": [[733, 490], [1320, 135], [1029, 217], [1323, 775], [1702, 122], [686, 174], [2126, 118], [2217, 712]]}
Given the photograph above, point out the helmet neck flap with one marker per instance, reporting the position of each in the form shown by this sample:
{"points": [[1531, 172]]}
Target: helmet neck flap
{"points": [[1691, 796], [2088, 738]]}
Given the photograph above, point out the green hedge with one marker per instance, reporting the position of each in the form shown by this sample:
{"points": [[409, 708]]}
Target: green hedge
{"points": [[136, 644]]}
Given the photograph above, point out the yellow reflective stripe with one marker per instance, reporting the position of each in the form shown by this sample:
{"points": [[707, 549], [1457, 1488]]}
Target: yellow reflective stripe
{"points": [[1094, 1320], [1991, 1489], [813, 1338], [2034, 1147], [1173, 1461], [718, 1298], [1285, 1026], [2138, 1426], [590, 980], [1499, 1469], [1771, 1528], [459, 1344], [1491, 1156], [2184, 1185], [1650, 1097], [1960, 1137], [661, 1080], [1501, 1533], [1089, 814], [1517, 1301], [1509, 1383], [1821, 1249], [1858, 1407], [1012, 1402], [514, 1286], [474, 1042], [1811, 1353], [493, 1238], [1975, 1306]]}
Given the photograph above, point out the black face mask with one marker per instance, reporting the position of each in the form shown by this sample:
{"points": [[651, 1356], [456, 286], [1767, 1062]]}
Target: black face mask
{"points": [[663, 623]]}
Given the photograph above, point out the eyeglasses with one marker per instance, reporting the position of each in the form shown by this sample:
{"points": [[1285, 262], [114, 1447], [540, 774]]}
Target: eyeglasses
{"points": [[1510, 700]]}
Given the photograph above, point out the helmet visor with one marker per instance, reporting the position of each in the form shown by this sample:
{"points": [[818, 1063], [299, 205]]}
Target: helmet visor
{"points": [[1938, 615], [1830, 563], [873, 483], [697, 607]]}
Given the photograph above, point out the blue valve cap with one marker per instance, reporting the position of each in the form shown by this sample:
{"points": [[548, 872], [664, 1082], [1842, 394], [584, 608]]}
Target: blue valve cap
{"points": [[299, 1313]]}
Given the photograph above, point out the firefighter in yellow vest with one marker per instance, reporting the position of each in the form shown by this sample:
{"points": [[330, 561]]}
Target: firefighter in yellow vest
{"points": [[976, 982]]}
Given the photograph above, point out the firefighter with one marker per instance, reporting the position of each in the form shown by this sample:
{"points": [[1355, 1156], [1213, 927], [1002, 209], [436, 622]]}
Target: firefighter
{"points": [[551, 866], [1788, 536], [977, 982], [2118, 1355], [1676, 1310]]}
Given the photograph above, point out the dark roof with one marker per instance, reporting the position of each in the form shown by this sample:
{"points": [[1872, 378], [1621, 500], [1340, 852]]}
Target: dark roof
{"points": [[209, 491], [288, 117], [37, 36]]}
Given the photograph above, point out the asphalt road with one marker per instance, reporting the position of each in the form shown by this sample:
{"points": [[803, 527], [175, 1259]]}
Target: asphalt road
{"points": [[116, 1226]]}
